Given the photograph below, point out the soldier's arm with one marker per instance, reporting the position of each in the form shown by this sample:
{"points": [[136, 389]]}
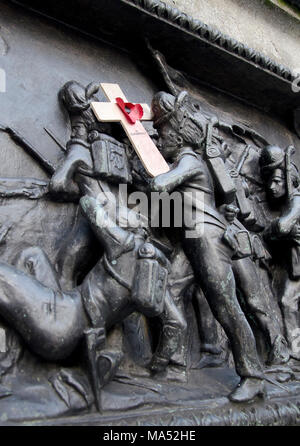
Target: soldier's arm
{"points": [[289, 218], [62, 182], [283, 226], [187, 168]]}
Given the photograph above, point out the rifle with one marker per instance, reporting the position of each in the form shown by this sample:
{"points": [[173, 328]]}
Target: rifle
{"points": [[30, 149], [215, 162], [288, 168], [46, 164], [243, 204]]}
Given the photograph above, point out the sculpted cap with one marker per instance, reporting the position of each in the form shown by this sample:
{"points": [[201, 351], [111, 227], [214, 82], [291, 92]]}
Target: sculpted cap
{"points": [[165, 105], [271, 157]]}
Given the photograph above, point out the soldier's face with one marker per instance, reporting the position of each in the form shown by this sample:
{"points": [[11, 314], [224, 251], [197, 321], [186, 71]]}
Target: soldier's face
{"points": [[276, 184], [169, 141]]}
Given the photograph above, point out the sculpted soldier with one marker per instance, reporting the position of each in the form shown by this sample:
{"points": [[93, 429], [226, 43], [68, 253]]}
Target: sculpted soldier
{"points": [[52, 321], [281, 179], [215, 241], [130, 275], [92, 152]]}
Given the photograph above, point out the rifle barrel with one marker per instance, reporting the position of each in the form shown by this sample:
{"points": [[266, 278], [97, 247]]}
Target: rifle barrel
{"points": [[44, 162], [242, 159], [55, 139]]}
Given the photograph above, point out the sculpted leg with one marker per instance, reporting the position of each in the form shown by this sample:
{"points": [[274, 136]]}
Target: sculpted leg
{"points": [[291, 317], [34, 261], [207, 325], [257, 305], [215, 277], [75, 253], [173, 328], [180, 280], [212, 267], [51, 322]]}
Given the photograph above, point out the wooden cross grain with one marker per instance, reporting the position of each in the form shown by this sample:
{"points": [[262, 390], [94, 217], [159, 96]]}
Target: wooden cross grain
{"points": [[150, 156]]}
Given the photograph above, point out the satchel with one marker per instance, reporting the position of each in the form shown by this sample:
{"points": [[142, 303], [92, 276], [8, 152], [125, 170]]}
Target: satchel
{"points": [[110, 159], [239, 241], [150, 284]]}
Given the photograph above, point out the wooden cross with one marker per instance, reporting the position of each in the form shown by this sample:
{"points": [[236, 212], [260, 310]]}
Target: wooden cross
{"points": [[145, 148]]}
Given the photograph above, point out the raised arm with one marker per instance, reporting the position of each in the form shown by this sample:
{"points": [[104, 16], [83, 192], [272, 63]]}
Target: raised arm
{"points": [[290, 218], [187, 168], [283, 227]]}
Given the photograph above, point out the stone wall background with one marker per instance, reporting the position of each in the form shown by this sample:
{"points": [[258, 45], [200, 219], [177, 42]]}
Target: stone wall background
{"points": [[257, 23]]}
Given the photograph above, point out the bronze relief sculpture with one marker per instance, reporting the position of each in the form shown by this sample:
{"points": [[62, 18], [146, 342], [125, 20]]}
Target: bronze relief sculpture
{"points": [[220, 250], [154, 291], [281, 178]]}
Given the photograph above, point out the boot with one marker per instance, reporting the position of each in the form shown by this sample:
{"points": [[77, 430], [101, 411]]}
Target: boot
{"points": [[280, 353], [247, 390], [209, 360], [211, 348]]}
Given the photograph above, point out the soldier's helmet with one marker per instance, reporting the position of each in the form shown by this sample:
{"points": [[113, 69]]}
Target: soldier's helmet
{"points": [[163, 105], [76, 97], [272, 157], [179, 112]]}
